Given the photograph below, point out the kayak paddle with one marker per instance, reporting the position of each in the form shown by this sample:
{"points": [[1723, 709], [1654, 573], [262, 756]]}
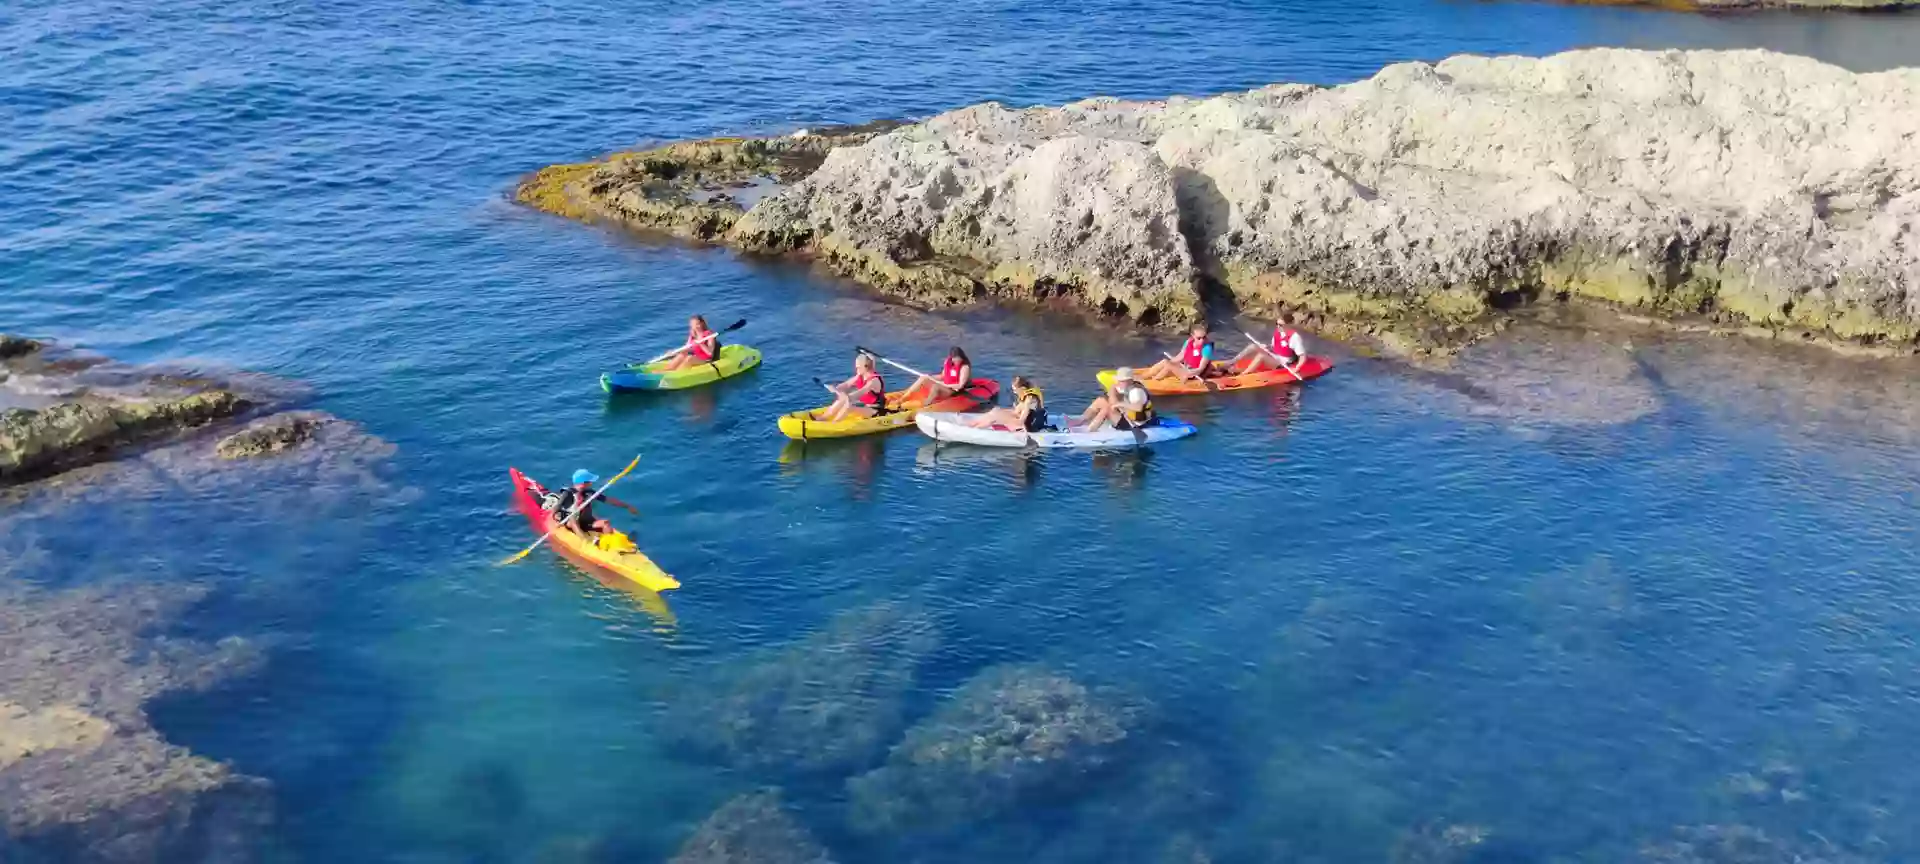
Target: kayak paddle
{"points": [[576, 511], [1276, 357], [728, 329], [900, 366]]}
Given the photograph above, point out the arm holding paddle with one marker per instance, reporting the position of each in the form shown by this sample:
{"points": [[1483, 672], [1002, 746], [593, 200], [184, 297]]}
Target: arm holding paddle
{"points": [[707, 338], [1263, 349], [571, 516]]}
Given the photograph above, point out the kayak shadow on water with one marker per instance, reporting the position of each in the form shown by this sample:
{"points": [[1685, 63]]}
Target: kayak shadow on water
{"points": [[700, 404], [1022, 465], [858, 459]]}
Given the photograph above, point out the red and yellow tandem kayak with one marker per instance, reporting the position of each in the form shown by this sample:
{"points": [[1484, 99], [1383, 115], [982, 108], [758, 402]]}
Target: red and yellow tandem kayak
{"points": [[632, 564], [1309, 369]]}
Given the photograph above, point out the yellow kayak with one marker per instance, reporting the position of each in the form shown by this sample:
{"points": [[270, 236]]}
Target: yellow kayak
{"points": [[733, 360], [806, 425], [634, 564]]}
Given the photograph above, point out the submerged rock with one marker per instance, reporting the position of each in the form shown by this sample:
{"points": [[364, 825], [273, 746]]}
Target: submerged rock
{"points": [[83, 775], [1740, 844], [824, 705], [273, 434], [15, 346], [1747, 189], [1009, 734], [752, 829]]}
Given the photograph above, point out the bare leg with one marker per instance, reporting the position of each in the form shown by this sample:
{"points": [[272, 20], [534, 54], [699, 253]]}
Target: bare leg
{"points": [[838, 409], [911, 392], [1098, 406], [1001, 416]]}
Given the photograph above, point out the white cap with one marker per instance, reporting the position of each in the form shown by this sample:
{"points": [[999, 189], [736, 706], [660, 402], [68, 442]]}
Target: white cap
{"points": [[1124, 373]]}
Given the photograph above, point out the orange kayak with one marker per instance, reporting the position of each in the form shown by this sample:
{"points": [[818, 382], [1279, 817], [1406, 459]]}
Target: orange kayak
{"points": [[1309, 369]]}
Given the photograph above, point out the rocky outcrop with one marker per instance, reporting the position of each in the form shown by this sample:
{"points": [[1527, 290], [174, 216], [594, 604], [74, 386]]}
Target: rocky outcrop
{"points": [[828, 704], [83, 775], [752, 829], [1748, 190], [274, 434], [1011, 733]]}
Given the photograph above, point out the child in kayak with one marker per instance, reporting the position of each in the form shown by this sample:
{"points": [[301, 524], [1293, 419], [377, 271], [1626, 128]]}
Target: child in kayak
{"points": [[1287, 348], [576, 511], [703, 345], [1029, 411], [1195, 361], [1126, 405], [954, 374], [863, 395]]}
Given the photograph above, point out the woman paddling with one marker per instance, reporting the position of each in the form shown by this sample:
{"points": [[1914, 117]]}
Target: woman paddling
{"points": [[863, 395], [1029, 411], [1195, 361], [1126, 405], [954, 374], [1287, 346], [703, 345]]}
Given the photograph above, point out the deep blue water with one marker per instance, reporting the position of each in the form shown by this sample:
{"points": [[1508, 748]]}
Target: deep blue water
{"points": [[1362, 609]]}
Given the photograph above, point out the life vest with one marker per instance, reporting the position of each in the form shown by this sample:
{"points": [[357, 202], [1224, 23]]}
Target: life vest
{"points": [[1194, 356], [1037, 413], [706, 349], [1283, 343], [1141, 414], [950, 372], [868, 397]]}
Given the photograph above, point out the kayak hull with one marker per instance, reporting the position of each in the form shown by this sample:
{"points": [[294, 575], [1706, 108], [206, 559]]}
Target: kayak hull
{"points": [[946, 426], [1309, 369], [635, 566], [733, 360], [802, 425]]}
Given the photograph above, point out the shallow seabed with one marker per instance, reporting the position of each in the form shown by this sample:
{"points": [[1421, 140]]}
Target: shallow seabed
{"points": [[1573, 595]]}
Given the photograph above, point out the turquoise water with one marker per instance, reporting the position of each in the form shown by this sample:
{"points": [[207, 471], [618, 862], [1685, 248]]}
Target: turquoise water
{"points": [[1366, 609]]}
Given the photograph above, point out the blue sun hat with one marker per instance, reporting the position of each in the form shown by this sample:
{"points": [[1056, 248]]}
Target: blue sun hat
{"points": [[585, 476]]}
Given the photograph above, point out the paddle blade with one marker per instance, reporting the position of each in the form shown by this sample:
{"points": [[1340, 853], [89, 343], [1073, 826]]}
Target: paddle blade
{"points": [[735, 326]]}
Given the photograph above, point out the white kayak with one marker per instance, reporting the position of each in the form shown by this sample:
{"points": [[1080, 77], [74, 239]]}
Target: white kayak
{"points": [[946, 426]]}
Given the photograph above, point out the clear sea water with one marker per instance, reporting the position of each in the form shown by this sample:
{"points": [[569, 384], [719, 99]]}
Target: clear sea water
{"points": [[1364, 611]]}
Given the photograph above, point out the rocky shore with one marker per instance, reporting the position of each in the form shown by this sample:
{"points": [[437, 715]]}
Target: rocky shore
{"points": [[1735, 191], [62, 410]]}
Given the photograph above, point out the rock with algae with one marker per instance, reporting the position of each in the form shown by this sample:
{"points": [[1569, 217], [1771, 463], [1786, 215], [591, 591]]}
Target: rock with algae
{"points": [[1741, 844], [754, 828], [827, 704], [1008, 735], [83, 775], [274, 434]]}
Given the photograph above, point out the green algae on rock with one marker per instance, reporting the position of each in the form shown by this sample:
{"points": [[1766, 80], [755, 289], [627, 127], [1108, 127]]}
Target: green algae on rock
{"points": [[273, 434], [83, 774], [1010, 733], [1748, 191], [754, 828], [827, 704]]}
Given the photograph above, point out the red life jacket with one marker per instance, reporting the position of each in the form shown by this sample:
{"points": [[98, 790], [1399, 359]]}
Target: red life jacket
{"points": [[868, 397], [1194, 356], [950, 372], [1283, 343], [705, 349]]}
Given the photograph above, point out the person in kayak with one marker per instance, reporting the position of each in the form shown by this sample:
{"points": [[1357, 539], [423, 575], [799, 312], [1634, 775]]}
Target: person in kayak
{"points": [[1126, 405], [863, 395], [954, 374], [574, 500], [703, 345], [1195, 361], [1287, 348], [1029, 411]]}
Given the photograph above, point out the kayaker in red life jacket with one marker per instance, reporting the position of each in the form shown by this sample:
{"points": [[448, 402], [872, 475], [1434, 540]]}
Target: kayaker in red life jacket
{"points": [[863, 395], [1287, 344], [954, 374], [573, 501], [703, 345], [1196, 358]]}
